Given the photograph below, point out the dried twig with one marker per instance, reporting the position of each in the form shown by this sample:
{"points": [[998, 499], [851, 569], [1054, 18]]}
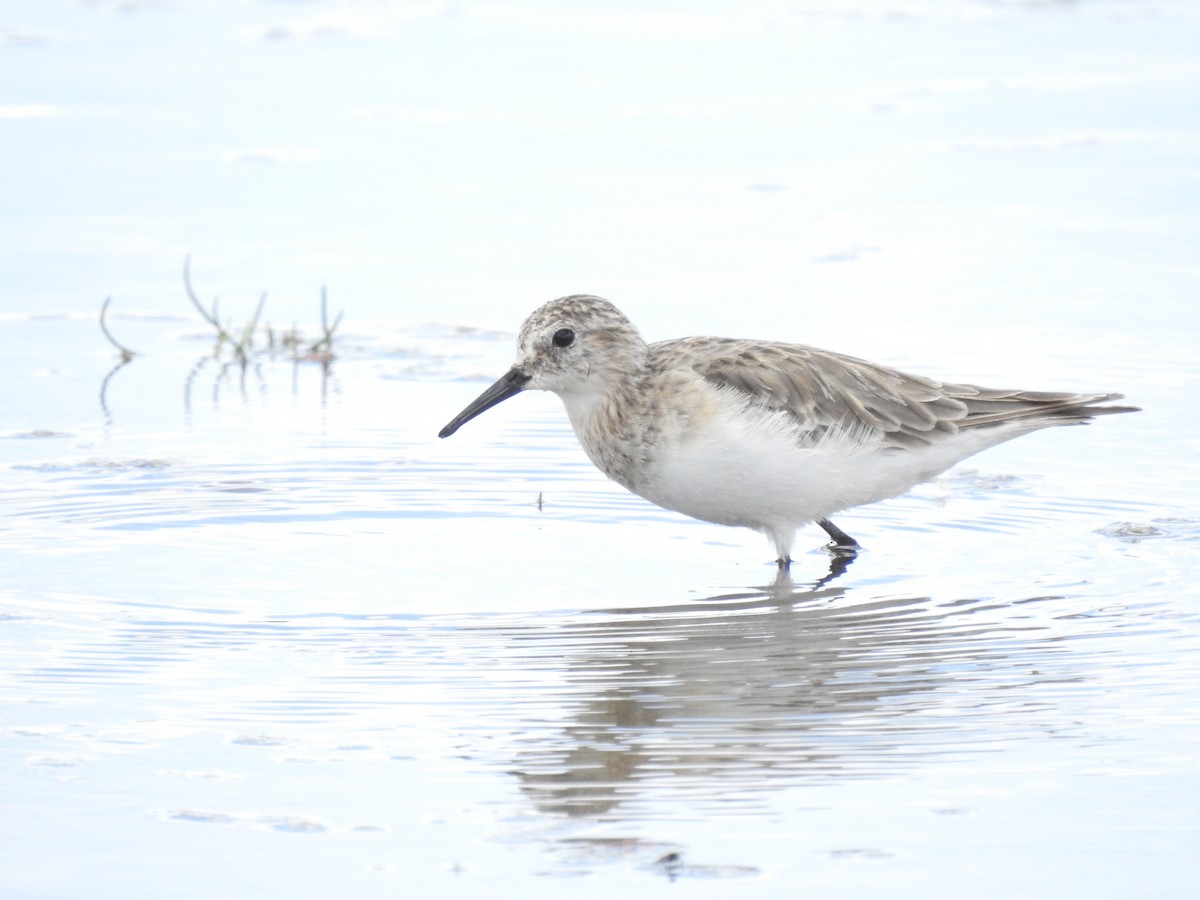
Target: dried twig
{"points": [[126, 353], [211, 318], [243, 344], [327, 340], [246, 341]]}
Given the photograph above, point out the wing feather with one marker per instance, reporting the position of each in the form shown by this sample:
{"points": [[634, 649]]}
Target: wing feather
{"points": [[825, 391]]}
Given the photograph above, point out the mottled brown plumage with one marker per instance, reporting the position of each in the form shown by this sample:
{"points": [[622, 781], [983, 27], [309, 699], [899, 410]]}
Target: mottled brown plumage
{"points": [[824, 390]]}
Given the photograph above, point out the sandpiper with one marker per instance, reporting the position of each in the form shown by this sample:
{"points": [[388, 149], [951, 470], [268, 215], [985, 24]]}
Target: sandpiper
{"points": [[758, 434]]}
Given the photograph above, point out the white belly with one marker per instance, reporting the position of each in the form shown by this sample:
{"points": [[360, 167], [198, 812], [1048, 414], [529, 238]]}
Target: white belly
{"points": [[748, 468]]}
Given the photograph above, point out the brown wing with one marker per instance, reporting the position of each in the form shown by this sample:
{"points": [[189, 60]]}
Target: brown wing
{"points": [[825, 391]]}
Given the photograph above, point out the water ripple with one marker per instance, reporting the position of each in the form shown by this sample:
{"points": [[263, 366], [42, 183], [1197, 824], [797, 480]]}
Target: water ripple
{"points": [[597, 711]]}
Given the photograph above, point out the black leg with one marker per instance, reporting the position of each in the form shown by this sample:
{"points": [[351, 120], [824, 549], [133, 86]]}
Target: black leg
{"points": [[784, 563], [841, 540]]}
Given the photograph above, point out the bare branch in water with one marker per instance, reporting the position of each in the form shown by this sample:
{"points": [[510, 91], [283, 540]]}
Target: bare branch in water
{"points": [[211, 318], [244, 344], [327, 340], [243, 349], [126, 353]]}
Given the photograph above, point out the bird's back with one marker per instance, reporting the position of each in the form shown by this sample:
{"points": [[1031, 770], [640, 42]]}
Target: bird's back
{"points": [[825, 391]]}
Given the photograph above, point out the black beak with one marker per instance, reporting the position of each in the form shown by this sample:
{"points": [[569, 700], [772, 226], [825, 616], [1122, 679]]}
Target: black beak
{"points": [[508, 385]]}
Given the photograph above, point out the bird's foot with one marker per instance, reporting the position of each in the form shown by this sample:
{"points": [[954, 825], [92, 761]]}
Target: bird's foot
{"points": [[842, 544]]}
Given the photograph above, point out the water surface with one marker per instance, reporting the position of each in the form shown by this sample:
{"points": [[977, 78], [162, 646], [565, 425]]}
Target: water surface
{"points": [[261, 633]]}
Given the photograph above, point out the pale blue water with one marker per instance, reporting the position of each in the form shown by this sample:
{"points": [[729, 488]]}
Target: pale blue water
{"points": [[262, 634]]}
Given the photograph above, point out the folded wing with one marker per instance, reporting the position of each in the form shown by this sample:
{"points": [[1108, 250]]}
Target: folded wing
{"points": [[826, 391]]}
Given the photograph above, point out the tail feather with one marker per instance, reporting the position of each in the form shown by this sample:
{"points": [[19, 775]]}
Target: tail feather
{"points": [[1038, 409]]}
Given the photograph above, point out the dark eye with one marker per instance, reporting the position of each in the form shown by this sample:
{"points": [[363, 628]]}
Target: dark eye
{"points": [[564, 337]]}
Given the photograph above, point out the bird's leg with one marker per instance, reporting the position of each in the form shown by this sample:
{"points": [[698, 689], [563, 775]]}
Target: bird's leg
{"points": [[841, 540], [784, 563]]}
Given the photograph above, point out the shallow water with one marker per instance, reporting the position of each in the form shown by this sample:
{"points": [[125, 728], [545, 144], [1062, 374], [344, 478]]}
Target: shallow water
{"points": [[261, 633]]}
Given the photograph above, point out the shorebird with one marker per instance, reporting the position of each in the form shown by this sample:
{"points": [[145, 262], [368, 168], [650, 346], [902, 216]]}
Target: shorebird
{"points": [[759, 434]]}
